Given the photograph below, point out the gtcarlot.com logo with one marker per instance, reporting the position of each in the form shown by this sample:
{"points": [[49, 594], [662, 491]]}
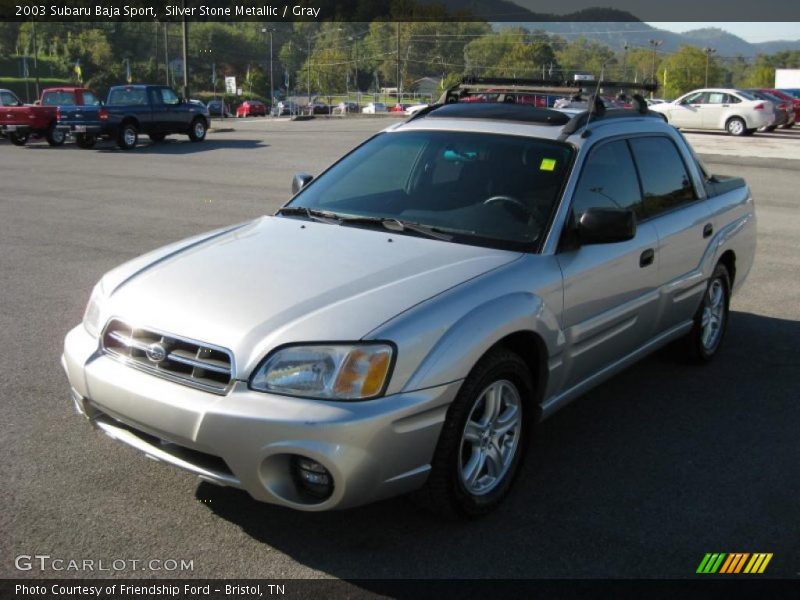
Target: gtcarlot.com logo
{"points": [[734, 563]]}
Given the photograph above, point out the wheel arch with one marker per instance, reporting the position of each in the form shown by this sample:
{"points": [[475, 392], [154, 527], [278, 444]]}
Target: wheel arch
{"points": [[728, 259]]}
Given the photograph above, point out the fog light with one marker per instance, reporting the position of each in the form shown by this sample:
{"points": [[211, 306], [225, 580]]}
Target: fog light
{"points": [[312, 477]]}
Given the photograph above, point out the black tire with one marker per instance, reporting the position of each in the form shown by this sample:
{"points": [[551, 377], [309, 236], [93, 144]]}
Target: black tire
{"points": [[128, 136], [736, 126], [445, 492], [787, 126], [198, 130], [55, 137], [18, 139], [695, 347], [85, 140], [770, 128], [749, 132], [157, 137]]}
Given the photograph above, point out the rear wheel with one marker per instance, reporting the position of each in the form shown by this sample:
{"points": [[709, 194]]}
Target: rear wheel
{"points": [[483, 439], [736, 126], [197, 131], [18, 139], [85, 140], [711, 320], [55, 136], [128, 136]]}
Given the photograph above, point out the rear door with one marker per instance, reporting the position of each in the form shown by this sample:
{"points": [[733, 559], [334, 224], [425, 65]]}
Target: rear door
{"points": [[610, 290], [682, 221]]}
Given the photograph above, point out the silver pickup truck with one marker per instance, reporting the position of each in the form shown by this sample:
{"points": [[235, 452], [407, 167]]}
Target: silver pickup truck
{"points": [[403, 322]]}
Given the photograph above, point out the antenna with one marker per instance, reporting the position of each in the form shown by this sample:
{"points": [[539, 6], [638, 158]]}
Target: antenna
{"points": [[596, 106]]}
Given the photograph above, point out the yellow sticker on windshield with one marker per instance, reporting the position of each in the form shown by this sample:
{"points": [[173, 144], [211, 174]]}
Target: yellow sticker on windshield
{"points": [[548, 164]]}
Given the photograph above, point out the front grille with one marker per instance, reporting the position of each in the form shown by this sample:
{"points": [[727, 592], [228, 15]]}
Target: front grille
{"points": [[185, 361]]}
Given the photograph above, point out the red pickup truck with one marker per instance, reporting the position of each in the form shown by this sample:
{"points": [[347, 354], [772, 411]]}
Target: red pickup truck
{"points": [[19, 121]]}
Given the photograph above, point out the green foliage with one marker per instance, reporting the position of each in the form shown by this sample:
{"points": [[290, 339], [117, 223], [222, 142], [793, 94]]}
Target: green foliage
{"points": [[685, 71]]}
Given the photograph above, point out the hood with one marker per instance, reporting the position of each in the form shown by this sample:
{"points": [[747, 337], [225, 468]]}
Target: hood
{"points": [[279, 280]]}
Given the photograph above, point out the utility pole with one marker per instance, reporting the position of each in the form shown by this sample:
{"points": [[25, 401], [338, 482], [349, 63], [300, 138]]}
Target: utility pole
{"points": [[308, 71], [166, 50], [185, 54], [655, 44], [270, 30], [398, 62], [709, 52], [35, 58], [625, 62]]}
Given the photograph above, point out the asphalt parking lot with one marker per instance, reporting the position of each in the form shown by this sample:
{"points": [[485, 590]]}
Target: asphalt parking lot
{"points": [[639, 478]]}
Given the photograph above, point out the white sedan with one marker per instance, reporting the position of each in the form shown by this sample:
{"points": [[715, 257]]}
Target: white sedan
{"points": [[374, 108], [736, 111], [415, 108]]}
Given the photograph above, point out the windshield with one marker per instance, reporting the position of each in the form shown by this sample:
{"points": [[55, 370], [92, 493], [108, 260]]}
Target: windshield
{"points": [[484, 189]]}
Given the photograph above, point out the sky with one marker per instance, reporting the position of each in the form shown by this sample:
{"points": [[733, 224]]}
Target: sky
{"points": [[751, 32]]}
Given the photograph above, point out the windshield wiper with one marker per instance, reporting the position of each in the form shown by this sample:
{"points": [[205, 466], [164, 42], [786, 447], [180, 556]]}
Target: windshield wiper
{"points": [[390, 223], [323, 216], [393, 224]]}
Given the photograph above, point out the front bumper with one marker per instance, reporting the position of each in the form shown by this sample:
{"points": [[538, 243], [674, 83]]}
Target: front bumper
{"points": [[245, 439]]}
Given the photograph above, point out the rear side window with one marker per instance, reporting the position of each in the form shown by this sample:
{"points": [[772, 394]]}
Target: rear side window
{"points": [[58, 99], [127, 97], [89, 99], [608, 180], [665, 181]]}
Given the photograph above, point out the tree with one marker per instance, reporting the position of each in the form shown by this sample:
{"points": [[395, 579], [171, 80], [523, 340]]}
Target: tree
{"points": [[685, 71], [511, 53], [585, 56]]}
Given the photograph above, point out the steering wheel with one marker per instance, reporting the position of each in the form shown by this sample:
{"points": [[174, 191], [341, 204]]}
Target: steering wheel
{"points": [[510, 200]]}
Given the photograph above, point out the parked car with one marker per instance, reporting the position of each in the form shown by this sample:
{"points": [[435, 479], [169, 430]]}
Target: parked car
{"points": [[18, 122], [286, 108], [399, 108], [654, 101], [736, 111], [792, 101], [407, 317], [251, 108], [783, 111], [345, 107], [155, 110], [216, 108], [374, 108], [317, 108]]}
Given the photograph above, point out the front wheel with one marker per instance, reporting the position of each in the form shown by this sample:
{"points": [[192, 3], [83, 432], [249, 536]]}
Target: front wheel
{"points": [[483, 439], [128, 136], [736, 126], [702, 343], [85, 140], [18, 139], [197, 131]]}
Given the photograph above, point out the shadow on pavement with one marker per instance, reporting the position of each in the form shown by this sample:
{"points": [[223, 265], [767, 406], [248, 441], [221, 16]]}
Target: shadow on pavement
{"points": [[639, 478]]}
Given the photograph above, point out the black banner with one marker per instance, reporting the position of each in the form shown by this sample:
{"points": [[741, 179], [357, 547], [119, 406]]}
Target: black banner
{"points": [[316, 589], [520, 11]]}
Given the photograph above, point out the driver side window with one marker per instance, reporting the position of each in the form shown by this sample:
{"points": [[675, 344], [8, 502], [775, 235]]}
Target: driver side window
{"points": [[608, 180]]}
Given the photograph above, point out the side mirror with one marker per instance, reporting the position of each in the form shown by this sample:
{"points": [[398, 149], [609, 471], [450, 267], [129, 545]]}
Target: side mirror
{"points": [[300, 181], [606, 226]]}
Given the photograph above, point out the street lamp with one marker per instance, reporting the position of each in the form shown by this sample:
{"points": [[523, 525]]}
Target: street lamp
{"points": [[625, 62], [270, 30], [709, 52], [655, 44]]}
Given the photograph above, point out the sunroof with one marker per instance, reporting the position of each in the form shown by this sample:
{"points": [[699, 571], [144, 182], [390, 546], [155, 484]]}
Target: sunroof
{"points": [[501, 111]]}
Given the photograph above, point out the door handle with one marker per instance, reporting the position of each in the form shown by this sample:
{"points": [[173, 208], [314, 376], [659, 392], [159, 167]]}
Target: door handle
{"points": [[647, 257], [708, 230]]}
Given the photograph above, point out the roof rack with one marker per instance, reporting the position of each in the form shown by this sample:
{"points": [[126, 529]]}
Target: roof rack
{"points": [[598, 112], [500, 85]]}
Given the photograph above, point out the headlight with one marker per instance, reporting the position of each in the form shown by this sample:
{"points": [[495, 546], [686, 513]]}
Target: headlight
{"points": [[93, 313], [333, 372]]}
